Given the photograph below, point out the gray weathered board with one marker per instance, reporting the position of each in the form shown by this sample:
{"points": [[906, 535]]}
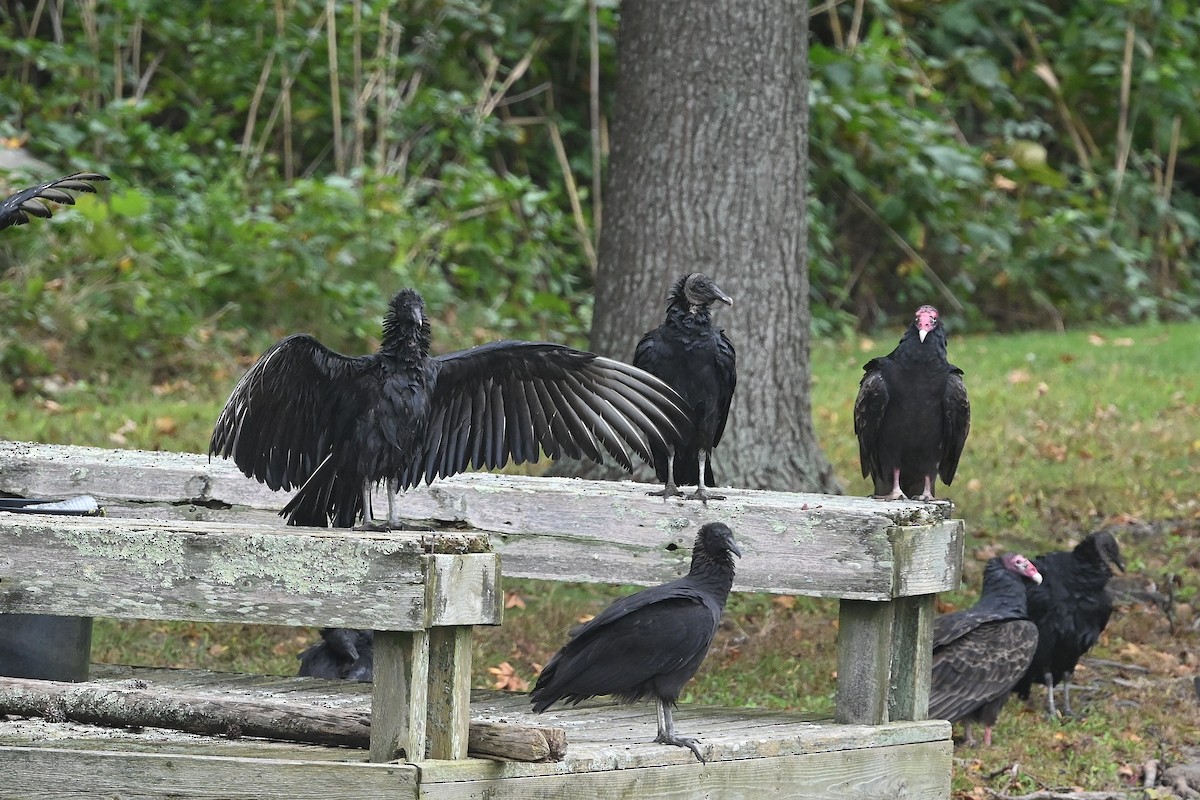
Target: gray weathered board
{"points": [[559, 529], [754, 754]]}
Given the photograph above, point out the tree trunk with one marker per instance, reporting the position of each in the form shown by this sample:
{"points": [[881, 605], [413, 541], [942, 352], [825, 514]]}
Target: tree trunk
{"points": [[708, 173]]}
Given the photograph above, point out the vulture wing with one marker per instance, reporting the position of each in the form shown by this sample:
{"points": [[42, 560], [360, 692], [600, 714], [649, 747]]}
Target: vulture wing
{"points": [[869, 408], [980, 666], [286, 413], [956, 425], [17, 209]]}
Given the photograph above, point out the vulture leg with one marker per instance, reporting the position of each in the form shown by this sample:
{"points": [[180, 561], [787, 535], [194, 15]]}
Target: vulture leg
{"points": [[368, 521], [896, 493], [1067, 694], [1050, 695], [701, 493], [666, 731], [670, 490], [968, 735], [987, 735], [928, 493]]}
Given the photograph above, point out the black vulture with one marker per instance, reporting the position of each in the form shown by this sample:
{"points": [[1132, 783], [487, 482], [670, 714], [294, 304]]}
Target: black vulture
{"points": [[336, 425], [648, 643], [697, 360], [912, 414], [342, 653], [17, 210], [1070, 608], [980, 653]]}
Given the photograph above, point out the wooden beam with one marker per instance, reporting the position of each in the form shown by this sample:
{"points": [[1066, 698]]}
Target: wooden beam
{"points": [[400, 696], [864, 661], [912, 657], [148, 569], [564, 529], [449, 691]]}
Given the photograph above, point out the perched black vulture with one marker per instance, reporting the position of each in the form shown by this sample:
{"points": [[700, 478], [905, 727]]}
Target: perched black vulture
{"points": [[648, 643], [1070, 608], [336, 425], [17, 210], [980, 653], [342, 653], [912, 415], [697, 360]]}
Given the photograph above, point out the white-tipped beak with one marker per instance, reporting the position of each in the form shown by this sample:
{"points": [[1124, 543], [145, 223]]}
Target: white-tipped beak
{"points": [[1036, 577], [922, 333]]}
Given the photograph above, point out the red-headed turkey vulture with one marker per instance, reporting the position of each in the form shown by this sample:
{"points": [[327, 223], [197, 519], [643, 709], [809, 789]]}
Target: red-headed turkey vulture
{"points": [[912, 414], [980, 653]]}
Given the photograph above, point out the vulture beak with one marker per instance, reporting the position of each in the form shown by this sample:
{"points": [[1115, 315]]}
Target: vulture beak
{"points": [[724, 298], [733, 548], [922, 333]]}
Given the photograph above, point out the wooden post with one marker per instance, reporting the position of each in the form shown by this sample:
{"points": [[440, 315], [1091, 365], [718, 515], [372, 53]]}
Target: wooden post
{"points": [[400, 695], [912, 657], [865, 641], [449, 691]]}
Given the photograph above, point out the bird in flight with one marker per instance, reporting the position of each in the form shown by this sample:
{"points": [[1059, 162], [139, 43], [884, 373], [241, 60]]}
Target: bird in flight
{"points": [[697, 360], [912, 415], [17, 209], [335, 425]]}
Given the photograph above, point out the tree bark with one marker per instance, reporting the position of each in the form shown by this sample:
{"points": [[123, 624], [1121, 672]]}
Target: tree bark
{"points": [[707, 174]]}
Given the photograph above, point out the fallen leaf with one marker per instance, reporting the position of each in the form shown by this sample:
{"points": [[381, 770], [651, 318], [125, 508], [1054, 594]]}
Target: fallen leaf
{"points": [[165, 426], [513, 599], [784, 601], [1018, 376], [1096, 339], [507, 678]]}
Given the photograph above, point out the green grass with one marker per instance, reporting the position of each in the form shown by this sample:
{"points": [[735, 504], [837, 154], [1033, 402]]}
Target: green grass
{"points": [[1070, 432]]}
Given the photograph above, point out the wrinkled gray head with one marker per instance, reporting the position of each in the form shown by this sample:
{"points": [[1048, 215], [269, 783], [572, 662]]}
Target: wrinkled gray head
{"points": [[716, 537], [1104, 545], [405, 321], [700, 291]]}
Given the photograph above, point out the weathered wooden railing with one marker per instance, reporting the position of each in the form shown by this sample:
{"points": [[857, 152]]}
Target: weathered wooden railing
{"points": [[884, 561]]}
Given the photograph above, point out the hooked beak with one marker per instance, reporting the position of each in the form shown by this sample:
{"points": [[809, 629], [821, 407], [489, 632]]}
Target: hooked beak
{"points": [[922, 333], [733, 548], [724, 298]]}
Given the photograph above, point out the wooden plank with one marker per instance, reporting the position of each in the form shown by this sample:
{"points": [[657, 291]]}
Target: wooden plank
{"points": [[61, 774], [564, 529], [449, 691], [463, 590], [400, 695], [912, 657], [864, 661], [914, 772], [149, 569]]}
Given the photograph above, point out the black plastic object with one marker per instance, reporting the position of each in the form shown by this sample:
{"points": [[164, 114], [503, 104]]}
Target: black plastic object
{"points": [[39, 645]]}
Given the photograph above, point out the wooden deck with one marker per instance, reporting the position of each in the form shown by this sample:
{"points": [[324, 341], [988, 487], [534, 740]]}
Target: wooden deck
{"points": [[752, 753]]}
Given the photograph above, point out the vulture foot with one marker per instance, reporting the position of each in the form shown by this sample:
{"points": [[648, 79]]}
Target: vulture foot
{"points": [[690, 742], [703, 496], [670, 490], [896, 495], [372, 526]]}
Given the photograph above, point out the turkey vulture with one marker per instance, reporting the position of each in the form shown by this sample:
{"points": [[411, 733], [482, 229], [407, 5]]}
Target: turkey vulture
{"points": [[17, 210], [648, 643], [980, 653], [912, 414], [342, 653], [1070, 608], [336, 425], [697, 360]]}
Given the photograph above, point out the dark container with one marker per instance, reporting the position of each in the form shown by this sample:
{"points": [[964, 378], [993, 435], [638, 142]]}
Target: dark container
{"points": [[39, 645]]}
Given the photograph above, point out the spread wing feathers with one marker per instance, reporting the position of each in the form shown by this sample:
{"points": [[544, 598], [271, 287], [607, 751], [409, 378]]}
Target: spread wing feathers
{"points": [[956, 425], [979, 668], [664, 638], [280, 421], [869, 407], [17, 209], [511, 400]]}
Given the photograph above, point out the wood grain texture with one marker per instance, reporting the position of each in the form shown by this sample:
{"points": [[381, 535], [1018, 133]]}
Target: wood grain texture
{"points": [[400, 695], [864, 661], [151, 569], [564, 529], [449, 691], [912, 657]]}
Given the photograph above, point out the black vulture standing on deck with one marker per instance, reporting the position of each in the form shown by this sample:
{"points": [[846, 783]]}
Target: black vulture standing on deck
{"points": [[342, 654], [648, 643], [912, 415], [697, 360], [336, 425], [1070, 608], [17, 209], [980, 653]]}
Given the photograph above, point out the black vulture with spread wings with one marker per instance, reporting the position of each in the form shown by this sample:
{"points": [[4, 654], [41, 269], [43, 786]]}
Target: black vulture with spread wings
{"points": [[17, 209], [697, 360], [649, 643], [912, 415], [334, 425], [980, 653]]}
